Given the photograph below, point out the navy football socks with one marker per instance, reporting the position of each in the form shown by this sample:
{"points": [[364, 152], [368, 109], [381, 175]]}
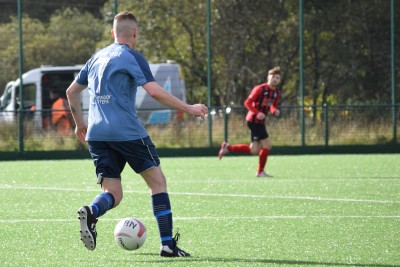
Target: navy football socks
{"points": [[102, 203], [162, 212]]}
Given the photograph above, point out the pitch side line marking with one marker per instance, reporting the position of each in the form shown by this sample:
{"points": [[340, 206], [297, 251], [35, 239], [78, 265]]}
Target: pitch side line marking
{"points": [[289, 197], [211, 194], [216, 218]]}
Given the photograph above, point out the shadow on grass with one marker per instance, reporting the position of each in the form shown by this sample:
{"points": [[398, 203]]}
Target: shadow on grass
{"points": [[258, 261]]}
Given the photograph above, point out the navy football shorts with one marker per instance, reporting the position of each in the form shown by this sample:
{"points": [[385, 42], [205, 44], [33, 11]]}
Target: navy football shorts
{"points": [[110, 157], [258, 131]]}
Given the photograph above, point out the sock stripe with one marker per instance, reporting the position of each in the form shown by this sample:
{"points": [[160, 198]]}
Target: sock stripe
{"points": [[162, 213], [109, 197], [166, 238], [95, 209], [102, 203]]}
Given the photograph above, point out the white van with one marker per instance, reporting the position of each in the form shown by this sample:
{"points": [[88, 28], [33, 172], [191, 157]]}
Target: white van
{"points": [[38, 83]]}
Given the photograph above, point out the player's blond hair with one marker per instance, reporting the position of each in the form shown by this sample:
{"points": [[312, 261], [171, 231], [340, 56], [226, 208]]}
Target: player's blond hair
{"points": [[123, 21]]}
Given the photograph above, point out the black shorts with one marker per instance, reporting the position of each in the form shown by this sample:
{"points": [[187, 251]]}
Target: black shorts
{"points": [[110, 157], [258, 131]]}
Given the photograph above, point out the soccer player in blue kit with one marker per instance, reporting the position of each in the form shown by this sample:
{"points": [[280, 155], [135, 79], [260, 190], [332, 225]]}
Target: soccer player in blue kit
{"points": [[115, 135]]}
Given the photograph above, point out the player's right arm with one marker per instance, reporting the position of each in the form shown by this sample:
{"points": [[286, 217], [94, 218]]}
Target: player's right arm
{"points": [[162, 96], [251, 99], [74, 101]]}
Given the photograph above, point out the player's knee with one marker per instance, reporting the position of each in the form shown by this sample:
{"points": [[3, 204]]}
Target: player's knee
{"points": [[268, 146], [155, 180], [254, 150]]}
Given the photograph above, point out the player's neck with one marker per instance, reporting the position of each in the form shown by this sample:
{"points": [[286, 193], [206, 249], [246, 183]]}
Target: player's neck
{"points": [[125, 41], [273, 88]]}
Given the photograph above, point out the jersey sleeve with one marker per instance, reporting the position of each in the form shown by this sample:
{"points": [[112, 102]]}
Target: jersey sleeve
{"points": [[82, 77], [144, 67], [254, 95]]}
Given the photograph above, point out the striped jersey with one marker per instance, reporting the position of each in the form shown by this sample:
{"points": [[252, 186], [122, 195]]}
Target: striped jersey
{"points": [[261, 99]]}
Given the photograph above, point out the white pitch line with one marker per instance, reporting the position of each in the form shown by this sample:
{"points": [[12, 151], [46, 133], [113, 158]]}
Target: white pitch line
{"points": [[217, 218], [209, 194], [290, 197]]}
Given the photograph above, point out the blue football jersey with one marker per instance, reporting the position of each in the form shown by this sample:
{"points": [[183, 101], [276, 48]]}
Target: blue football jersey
{"points": [[112, 75]]}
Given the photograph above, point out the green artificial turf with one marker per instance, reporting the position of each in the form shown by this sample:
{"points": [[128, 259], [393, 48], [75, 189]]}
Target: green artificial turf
{"points": [[328, 210]]}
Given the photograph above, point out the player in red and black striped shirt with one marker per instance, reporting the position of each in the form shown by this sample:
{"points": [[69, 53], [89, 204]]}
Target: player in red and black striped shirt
{"points": [[263, 98]]}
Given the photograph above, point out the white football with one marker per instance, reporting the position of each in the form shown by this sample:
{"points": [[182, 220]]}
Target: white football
{"points": [[130, 233]]}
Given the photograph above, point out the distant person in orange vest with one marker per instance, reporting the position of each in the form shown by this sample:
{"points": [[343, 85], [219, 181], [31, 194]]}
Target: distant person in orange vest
{"points": [[61, 118]]}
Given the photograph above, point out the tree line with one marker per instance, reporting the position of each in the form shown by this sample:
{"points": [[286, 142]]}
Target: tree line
{"points": [[347, 48]]}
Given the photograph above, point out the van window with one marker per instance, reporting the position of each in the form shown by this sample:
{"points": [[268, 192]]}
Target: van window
{"points": [[28, 96], [55, 83]]}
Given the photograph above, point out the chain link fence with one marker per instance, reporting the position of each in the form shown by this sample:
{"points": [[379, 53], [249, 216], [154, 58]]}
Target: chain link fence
{"points": [[339, 61], [330, 126]]}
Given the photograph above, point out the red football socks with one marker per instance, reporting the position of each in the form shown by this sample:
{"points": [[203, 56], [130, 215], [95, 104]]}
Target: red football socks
{"points": [[263, 155], [239, 148]]}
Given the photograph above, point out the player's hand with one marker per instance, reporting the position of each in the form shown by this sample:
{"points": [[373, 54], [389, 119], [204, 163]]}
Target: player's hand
{"points": [[260, 116], [80, 132], [277, 112], [198, 110]]}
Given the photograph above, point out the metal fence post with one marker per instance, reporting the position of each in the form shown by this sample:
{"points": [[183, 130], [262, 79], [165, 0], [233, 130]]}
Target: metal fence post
{"points": [[227, 110], [209, 64], [302, 130], [326, 124], [21, 87], [115, 7], [393, 74]]}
